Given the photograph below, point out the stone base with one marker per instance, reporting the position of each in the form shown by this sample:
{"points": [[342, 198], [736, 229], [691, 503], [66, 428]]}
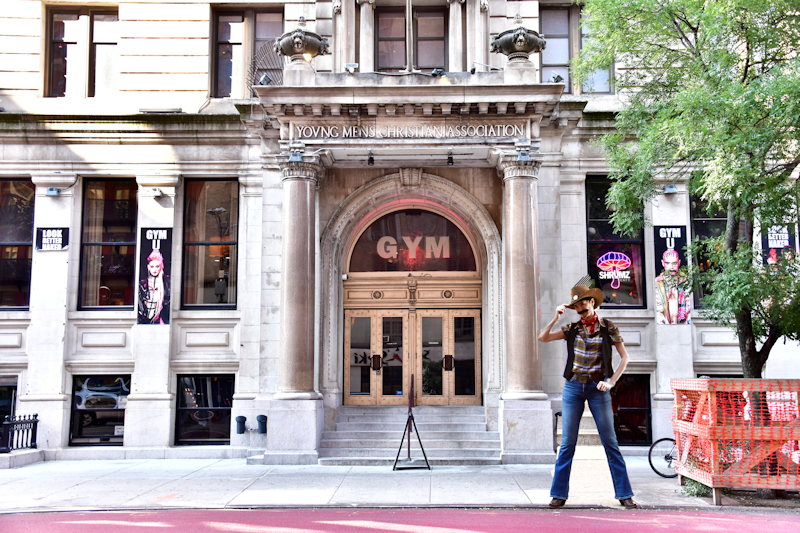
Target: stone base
{"points": [[294, 430], [285, 458], [19, 458], [149, 420], [520, 458], [86, 453], [526, 430]]}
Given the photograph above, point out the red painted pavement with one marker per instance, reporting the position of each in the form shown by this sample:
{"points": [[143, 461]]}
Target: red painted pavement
{"points": [[400, 520]]}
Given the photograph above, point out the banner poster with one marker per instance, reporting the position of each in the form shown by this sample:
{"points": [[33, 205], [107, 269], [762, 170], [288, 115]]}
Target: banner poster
{"points": [[155, 262], [48, 239], [776, 241], [673, 305]]}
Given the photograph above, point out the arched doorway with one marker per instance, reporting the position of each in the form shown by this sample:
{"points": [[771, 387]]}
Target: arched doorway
{"points": [[412, 308]]}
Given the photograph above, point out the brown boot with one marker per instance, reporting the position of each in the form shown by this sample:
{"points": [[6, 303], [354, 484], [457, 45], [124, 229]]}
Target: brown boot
{"points": [[628, 503], [557, 503]]}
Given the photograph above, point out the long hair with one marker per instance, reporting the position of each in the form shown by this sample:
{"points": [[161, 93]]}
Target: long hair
{"points": [[156, 298]]}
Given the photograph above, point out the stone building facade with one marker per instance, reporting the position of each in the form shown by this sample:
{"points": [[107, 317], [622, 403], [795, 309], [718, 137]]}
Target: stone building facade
{"points": [[197, 228]]}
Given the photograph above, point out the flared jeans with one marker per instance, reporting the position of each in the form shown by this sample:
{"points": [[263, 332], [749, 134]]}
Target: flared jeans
{"points": [[574, 397]]}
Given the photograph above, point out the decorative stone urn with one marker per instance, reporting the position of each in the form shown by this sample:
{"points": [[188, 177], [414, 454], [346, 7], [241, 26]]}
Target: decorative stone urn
{"points": [[518, 44], [297, 43]]}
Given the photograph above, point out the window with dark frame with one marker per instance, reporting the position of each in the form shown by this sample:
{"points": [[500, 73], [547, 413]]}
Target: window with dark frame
{"points": [[555, 26], [98, 410], [231, 72], [211, 227], [108, 244], [204, 410], [630, 403], [615, 262], [76, 36], [708, 223], [566, 30], [430, 39], [17, 198]]}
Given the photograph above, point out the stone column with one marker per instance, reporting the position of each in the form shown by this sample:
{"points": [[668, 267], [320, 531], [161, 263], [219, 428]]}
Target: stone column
{"points": [[295, 416], [48, 392], [366, 47], [456, 38], [525, 413], [150, 413]]}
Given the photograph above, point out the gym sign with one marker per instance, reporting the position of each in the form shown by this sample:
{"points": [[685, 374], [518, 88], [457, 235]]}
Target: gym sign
{"points": [[434, 248]]}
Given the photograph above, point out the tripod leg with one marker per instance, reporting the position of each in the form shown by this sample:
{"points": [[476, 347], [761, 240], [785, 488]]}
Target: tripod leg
{"points": [[420, 443], [401, 447]]}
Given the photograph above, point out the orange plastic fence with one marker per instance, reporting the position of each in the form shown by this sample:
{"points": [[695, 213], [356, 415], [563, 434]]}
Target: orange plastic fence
{"points": [[738, 432]]}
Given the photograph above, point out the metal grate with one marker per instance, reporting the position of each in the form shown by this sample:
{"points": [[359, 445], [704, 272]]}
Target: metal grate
{"points": [[267, 67]]}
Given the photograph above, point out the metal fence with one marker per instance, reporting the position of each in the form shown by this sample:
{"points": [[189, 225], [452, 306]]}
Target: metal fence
{"points": [[18, 433]]}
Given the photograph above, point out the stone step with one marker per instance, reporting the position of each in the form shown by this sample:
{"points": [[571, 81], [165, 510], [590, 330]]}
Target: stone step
{"points": [[388, 443], [422, 427], [586, 437], [437, 453], [493, 436], [420, 410], [389, 461], [430, 419]]}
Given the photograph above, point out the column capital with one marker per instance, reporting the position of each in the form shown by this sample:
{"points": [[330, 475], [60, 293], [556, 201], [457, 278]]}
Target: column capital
{"points": [[55, 179], [362, 2], [510, 168], [296, 164], [451, 1], [158, 179]]}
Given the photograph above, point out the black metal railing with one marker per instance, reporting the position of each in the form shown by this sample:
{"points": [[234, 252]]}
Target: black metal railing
{"points": [[18, 433]]}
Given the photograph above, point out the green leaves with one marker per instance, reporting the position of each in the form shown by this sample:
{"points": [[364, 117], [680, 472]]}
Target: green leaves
{"points": [[712, 97]]}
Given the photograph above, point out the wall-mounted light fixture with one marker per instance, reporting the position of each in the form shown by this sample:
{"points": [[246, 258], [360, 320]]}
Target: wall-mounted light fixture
{"points": [[295, 157], [438, 72], [472, 70], [370, 159], [53, 191], [523, 156], [352, 68], [670, 189], [450, 159], [264, 79]]}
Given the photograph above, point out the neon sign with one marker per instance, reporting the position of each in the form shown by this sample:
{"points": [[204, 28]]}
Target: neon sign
{"points": [[611, 264]]}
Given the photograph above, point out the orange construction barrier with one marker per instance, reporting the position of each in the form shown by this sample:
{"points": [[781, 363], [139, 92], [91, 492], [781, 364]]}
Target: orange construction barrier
{"points": [[737, 433]]}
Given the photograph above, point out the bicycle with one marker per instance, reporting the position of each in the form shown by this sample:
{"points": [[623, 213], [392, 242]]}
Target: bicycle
{"points": [[662, 455]]}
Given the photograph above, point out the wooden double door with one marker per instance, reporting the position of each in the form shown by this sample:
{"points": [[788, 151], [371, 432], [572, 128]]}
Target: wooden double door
{"points": [[440, 348]]}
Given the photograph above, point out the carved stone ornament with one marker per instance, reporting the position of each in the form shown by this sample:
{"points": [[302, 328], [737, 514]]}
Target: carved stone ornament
{"points": [[337, 7], [410, 177], [297, 43], [484, 5], [447, 294], [518, 43], [377, 295]]}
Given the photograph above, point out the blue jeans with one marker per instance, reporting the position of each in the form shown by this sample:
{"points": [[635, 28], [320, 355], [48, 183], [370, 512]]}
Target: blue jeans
{"points": [[574, 396]]}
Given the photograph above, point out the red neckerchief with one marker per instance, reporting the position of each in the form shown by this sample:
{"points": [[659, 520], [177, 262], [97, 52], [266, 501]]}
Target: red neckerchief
{"points": [[590, 324]]}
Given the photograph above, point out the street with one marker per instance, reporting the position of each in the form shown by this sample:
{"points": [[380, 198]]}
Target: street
{"points": [[442, 520]]}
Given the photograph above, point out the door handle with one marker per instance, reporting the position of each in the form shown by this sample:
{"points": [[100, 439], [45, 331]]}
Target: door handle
{"points": [[448, 362], [376, 362]]}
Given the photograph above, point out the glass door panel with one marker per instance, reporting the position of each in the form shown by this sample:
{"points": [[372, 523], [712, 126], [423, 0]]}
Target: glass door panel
{"points": [[393, 378], [431, 378], [360, 381], [466, 350]]}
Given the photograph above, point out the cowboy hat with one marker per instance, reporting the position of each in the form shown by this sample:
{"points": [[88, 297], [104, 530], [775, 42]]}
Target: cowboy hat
{"points": [[581, 292]]}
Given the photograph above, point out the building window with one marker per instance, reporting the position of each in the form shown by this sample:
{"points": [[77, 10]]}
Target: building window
{"points": [[98, 410], [83, 50], [241, 61], [204, 410], [108, 244], [560, 26], [211, 226], [708, 223], [16, 242], [616, 262], [630, 403], [430, 39]]}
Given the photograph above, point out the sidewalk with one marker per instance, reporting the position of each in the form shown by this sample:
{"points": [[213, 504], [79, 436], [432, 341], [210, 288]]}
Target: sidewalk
{"points": [[231, 483]]}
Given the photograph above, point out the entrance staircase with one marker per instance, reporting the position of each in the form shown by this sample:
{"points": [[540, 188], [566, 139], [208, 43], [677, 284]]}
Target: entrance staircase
{"points": [[451, 435], [587, 431]]}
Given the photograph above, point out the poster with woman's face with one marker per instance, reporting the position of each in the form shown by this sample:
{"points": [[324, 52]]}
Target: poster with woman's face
{"points": [[155, 264]]}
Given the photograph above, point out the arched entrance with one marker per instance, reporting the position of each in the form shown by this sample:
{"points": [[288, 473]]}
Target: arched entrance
{"points": [[412, 306], [409, 188]]}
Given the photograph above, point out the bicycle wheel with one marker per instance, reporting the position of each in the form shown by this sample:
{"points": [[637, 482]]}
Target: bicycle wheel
{"points": [[662, 456]]}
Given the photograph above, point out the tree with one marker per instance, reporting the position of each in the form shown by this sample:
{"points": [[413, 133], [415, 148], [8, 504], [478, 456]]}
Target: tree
{"points": [[711, 94]]}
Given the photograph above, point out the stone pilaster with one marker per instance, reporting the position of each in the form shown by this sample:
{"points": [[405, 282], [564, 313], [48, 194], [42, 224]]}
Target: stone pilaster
{"points": [[366, 47], [525, 412], [49, 393], [456, 37], [149, 415]]}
